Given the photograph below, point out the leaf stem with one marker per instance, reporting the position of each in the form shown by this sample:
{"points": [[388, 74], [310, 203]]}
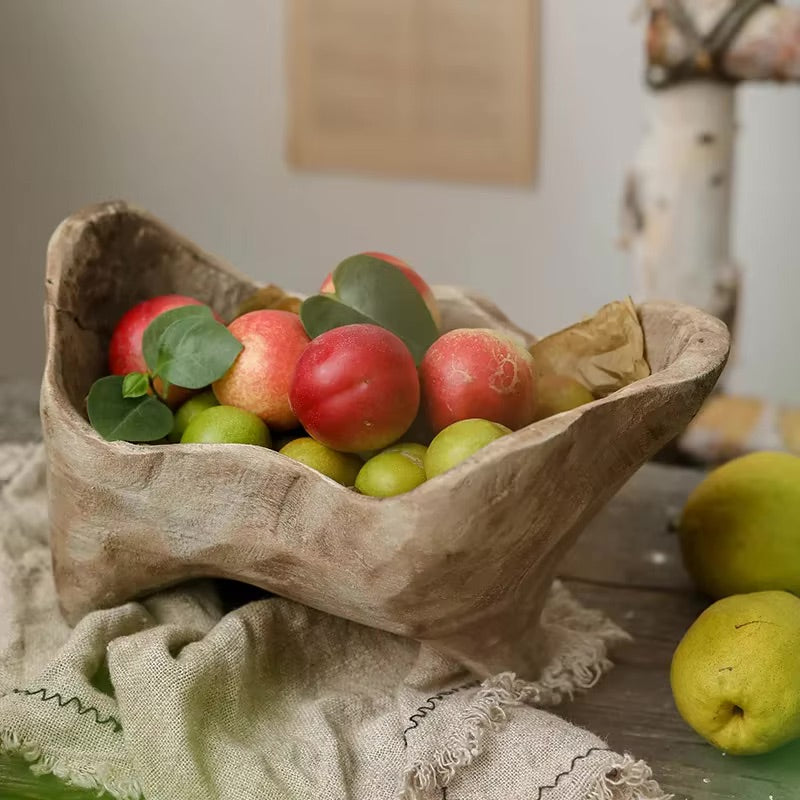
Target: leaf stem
{"points": [[162, 395]]}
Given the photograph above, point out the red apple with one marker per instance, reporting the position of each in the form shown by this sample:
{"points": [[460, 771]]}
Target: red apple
{"points": [[416, 279], [125, 349], [260, 378], [476, 373], [356, 388]]}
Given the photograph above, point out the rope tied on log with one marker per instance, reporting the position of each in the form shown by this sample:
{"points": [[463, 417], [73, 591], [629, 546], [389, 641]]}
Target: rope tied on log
{"points": [[707, 51]]}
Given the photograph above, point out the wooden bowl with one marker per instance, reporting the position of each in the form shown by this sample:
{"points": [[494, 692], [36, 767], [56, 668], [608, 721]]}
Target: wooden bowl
{"points": [[463, 562]]}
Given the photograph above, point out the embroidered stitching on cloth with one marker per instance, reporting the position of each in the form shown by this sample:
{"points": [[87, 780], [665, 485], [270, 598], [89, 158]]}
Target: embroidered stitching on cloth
{"points": [[566, 772], [58, 697], [430, 705]]}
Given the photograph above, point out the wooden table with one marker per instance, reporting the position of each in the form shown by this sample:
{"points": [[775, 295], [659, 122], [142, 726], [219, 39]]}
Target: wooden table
{"points": [[626, 563]]}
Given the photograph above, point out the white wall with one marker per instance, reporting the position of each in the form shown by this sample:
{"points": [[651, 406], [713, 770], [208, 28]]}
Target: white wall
{"points": [[766, 361], [178, 106]]}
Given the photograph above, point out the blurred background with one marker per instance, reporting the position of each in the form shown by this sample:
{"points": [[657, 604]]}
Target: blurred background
{"points": [[180, 107]]}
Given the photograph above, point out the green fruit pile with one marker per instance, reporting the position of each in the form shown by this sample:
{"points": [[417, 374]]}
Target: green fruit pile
{"points": [[736, 674], [402, 467], [395, 470]]}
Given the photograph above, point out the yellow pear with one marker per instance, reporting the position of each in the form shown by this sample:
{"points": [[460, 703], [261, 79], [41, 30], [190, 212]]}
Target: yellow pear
{"points": [[736, 674], [557, 393], [740, 530]]}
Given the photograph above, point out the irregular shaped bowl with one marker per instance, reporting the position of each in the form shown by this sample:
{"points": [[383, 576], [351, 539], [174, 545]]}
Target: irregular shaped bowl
{"points": [[463, 562]]}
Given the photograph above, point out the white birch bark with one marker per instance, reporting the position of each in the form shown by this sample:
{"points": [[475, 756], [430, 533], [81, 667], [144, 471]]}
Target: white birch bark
{"points": [[677, 207], [678, 198]]}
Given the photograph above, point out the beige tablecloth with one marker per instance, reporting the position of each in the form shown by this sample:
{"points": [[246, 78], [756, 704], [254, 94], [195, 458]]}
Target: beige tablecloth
{"points": [[172, 697]]}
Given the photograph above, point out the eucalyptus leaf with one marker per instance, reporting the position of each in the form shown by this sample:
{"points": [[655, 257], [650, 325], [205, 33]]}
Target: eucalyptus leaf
{"points": [[129, 419], [381, 294], [135, 384], [324, 312], [194, 351], [154, 331]]}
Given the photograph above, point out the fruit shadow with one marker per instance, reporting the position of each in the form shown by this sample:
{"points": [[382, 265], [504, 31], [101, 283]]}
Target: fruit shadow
{"points": [[781, 767]]}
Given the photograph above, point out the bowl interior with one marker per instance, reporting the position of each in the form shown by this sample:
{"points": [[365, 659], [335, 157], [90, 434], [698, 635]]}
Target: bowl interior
{"points": [[105, 260]]}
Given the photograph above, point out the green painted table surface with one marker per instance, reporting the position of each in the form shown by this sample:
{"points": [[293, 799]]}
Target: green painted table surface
{"points": [[627, 564]]}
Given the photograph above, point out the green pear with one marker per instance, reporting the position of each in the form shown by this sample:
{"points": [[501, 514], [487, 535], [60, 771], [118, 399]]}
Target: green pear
{"points": [[226, 425], [736, 673], [189, 410], [740, 530], [557, 393]]}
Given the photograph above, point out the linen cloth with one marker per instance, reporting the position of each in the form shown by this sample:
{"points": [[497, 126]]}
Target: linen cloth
{"points": [[183, 696]]}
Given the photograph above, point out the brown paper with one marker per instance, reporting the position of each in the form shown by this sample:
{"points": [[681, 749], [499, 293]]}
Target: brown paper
{"points": [[604, 352], [269, 297]]}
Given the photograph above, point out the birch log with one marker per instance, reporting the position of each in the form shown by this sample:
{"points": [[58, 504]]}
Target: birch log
{"points": [[676, 219], [678, 199]]}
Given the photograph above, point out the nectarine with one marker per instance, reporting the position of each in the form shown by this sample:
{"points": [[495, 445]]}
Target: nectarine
{"points": [[356, 388], [125, 349]]}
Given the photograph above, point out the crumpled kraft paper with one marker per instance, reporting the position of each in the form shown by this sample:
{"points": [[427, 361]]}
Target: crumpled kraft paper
{"points": [[604, 352]]}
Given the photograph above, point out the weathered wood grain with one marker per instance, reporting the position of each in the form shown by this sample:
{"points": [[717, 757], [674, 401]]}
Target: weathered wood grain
{"points": [[130, 519]]}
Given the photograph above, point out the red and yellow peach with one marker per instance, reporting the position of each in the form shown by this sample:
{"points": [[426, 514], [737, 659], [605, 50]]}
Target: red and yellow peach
{"points": [[476, 373], [260, 378]]}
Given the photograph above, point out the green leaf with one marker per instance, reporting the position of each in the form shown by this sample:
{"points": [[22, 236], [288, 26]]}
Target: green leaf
{"points": [[129, 419], [375, 292], [194, 351], [153, 332], [135, 384], [324, 312]]}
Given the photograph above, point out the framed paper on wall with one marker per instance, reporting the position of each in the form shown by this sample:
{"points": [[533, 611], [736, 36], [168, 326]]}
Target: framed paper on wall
{"points": [[425, 88]]}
